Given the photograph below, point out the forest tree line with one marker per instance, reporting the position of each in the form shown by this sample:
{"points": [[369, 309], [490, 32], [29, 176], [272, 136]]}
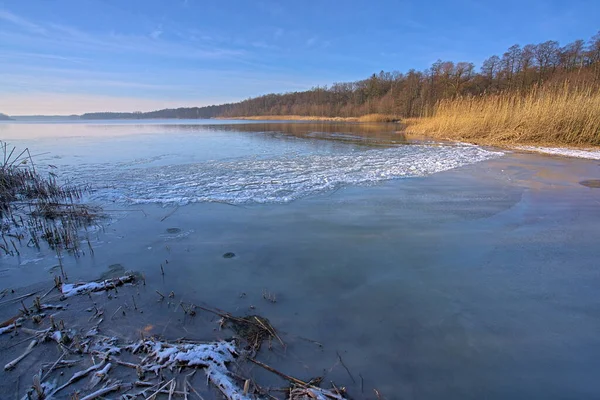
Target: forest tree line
{"points": [[415, 93]]}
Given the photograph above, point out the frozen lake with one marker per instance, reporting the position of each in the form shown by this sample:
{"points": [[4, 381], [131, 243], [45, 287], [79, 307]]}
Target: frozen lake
{"points": [[435, 270]]}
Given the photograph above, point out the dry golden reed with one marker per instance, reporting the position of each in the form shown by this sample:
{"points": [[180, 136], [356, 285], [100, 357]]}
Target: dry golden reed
{"points": [[564, 115]]}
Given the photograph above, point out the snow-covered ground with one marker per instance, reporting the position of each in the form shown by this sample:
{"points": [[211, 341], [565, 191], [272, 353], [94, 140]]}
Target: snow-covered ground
{"points": [[566, 152]]}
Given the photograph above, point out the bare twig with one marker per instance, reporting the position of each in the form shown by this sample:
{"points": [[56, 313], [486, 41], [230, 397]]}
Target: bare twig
{"points": [[19, 298], [281, 374], [52, 367], [344, 365], [108, 389], [195, 391], [169, 214], [77, 376], [14, 362], [153, 395]]}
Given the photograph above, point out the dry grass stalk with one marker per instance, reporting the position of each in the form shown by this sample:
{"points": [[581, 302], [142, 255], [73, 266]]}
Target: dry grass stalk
{"points": [[269, 296], [34, 206], [14, 362], [547, 115]]}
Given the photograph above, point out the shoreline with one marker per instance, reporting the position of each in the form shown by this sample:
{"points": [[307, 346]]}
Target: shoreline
{"points": [[549, 148], [363, 118], [291, 118], [553, 149]]}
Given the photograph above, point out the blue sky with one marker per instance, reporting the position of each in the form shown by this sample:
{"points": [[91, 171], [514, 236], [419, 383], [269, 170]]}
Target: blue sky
{"points": [[62, 57]]}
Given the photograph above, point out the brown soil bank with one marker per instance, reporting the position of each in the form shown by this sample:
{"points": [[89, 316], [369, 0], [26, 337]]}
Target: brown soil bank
{"points": [[565, 115]]}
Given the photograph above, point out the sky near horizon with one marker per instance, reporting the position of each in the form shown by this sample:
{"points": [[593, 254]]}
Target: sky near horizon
{"points": [[65, 57]]}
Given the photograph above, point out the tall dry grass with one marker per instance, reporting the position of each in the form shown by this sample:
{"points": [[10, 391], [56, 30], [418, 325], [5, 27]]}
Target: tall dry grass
{"points": [[551, 115]]}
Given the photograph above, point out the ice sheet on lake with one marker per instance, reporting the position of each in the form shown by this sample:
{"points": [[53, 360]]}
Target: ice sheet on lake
{"points": [[280, 179]]}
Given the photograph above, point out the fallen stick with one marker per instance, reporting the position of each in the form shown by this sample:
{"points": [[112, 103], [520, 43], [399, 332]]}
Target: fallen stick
{"points": [[195, 391], [172, 389], [186, 383], [362, 383], [35, 332], [271, 330], [153, 395], [10, 321], [77, 376], [19, 298], [48, 292], [9, 328], [344, 365], [103, 391], [124, 363], [116, 311], [63, 364], [281, 374], [306, 388], [14, 362], [149, 386], [52, 367], [169, 214], [176, 392]]}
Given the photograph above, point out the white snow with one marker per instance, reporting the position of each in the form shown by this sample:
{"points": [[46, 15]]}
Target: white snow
{"points": [[565, 152], [7, 329], [213, 357], [280, 179], [57, 336], [72, 289]]}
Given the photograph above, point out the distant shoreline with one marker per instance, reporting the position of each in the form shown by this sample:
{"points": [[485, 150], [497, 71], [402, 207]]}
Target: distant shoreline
{"points": [[364, 118], [293, 118]]}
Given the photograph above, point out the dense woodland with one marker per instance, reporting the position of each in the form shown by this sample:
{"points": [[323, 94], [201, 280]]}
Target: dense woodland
{"points": [[415, 93]]}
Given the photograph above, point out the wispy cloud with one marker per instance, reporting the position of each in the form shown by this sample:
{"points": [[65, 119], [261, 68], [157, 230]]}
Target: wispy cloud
{"points": [[50, 82], [21, 22], [58, 36], [24, 55], [155, 34], [311, 41], [263, 45]]}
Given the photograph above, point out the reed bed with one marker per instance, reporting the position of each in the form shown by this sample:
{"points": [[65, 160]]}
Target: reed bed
{"points": [[36, 207], [546, 115]]}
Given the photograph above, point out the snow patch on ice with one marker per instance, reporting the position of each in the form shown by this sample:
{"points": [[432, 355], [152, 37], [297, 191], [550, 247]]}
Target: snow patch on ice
{"points": [[213, 357], [565, 152], [279, 179]]}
